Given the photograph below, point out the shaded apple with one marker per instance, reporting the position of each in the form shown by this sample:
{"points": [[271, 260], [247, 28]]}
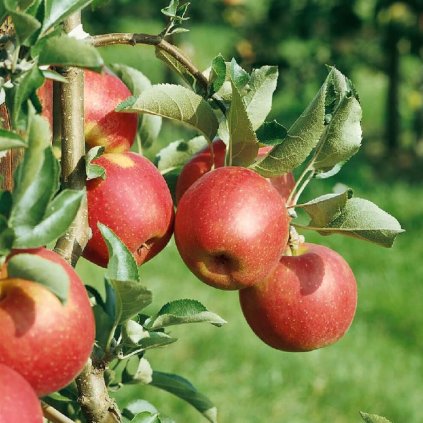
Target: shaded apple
{"points": [[102, 125], [202, 162], [18, 401], [46, 341], [231, 227], [308, 301], [134, 202]]}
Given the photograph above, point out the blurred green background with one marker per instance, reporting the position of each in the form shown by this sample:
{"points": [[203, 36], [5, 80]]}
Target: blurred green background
{"points": [[378, 366]]}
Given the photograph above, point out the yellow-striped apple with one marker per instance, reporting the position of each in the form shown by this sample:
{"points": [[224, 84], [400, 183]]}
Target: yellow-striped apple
{"points": [[102, 125], [43, 339], [134, 202], [308, 301], [203, 162], [18, 401], [231, 227]]}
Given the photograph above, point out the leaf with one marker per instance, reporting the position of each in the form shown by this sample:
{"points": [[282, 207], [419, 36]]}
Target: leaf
{"points": [[177, 153], [131, 298], [373, 418], [258, 100], [322, 209], [5, 203], [149, 125], [138, 406], [60, 51], [122, 265], [271, 133], [146, 417], [302, 137], [7, 237], [217, 73], [25, 25], [242, 138], [136, 337], [10, 140], [238, 76], [183, 389], [54, 76], [180, 312], [93, 170], [58, 216], [362, 219], [57, 10], [38, 269], [175, 102], [343, 133]]}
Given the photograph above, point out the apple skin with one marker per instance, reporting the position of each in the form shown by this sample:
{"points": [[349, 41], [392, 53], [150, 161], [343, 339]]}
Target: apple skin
{"points": [[231, 228], [202, 163], [134, 202], [18, 401], [308, 302], [47, 342], [103, 126]]}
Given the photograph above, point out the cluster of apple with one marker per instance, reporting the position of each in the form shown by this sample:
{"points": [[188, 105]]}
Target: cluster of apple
{"points": [[36, 356], [232, 230]]}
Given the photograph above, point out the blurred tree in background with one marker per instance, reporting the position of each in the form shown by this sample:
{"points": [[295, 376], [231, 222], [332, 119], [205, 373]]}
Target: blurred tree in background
{"points": [[378, 42]]}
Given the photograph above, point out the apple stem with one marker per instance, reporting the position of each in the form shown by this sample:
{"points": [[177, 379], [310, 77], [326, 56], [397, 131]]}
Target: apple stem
{"points": [[53, 415]]}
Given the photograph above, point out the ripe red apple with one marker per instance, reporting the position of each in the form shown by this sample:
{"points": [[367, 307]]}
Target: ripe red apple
{"points": [[308, 301], [231, 228], [102, 126], [202, 163], [18, 401], [46, 341], [134, 202]]}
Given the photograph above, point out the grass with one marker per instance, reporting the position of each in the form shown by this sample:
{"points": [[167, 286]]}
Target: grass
{"points": [[377, 367]]}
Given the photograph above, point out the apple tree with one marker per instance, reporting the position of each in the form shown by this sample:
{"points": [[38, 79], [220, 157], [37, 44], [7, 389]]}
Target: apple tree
{"points": [[75, 183]]}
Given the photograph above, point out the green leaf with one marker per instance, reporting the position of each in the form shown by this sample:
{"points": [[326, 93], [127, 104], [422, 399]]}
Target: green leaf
{"points": [[57, 10], [149, 125], [60, 51], [238, 76], [146, 417], [242, 138], [361, 219], [258, 100], [122, 265], [183, 389], [27, 86], [322, 209], [10, 140], [217, 73], [342, 138], [93, 170], [7, 237], [138, 406], [57, 218], [175, 102], [54, 76], [373, 418], [271, 133], [34, 268], [135, 336], [5, 203], [25, 25], [177, 153], [302, 137], [131, 298], [180, 312]]}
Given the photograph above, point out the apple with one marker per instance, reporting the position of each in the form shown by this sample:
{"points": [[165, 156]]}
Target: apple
{"points": [[18, 401], [102, 125], [134, 202], [43, 339], [202, 163], [308, 302], [231, 228]]}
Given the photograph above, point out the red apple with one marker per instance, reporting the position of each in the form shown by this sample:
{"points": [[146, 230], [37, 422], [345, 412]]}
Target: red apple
{"points": [[202, 163], [134, 202], [231, 228], [46, 341], [18, 401], [308, 301], [102, 126]]}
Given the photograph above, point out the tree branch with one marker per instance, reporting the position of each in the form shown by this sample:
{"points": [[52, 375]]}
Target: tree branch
{"points": [[53, 415]]}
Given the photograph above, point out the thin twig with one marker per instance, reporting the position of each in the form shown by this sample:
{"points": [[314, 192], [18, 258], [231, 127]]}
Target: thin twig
{"points": [[53, 415]]}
